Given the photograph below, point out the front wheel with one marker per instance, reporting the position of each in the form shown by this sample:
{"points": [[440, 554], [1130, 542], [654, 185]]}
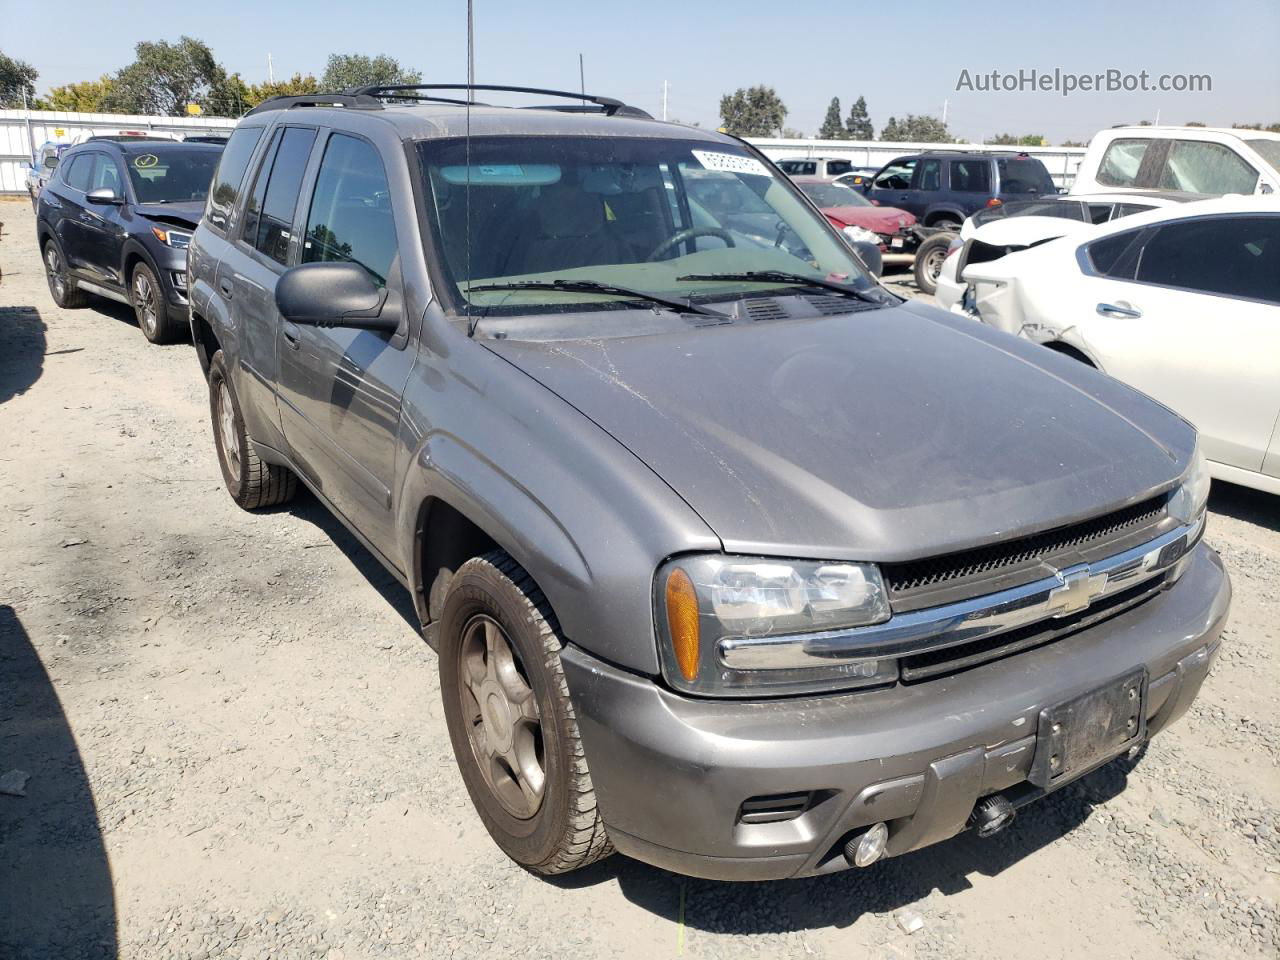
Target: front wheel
{"points": [[511, 722], [150, 308]]}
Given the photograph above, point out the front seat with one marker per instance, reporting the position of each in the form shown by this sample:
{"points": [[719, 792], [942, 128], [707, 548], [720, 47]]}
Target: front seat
{"points": [[568, 229]]}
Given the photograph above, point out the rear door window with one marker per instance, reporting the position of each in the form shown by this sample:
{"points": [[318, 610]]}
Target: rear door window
{"points": [[230, 174], [1230, 256], [1201, 167], [1121, 162], [350, 217], [268, 221]]}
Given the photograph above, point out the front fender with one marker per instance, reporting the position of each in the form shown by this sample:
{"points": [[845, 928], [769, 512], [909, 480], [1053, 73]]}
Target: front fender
{"points": [[585, 518]]}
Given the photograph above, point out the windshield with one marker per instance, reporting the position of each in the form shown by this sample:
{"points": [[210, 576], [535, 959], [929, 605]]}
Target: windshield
{"points": [[1269, 150], [172, 176], [833, 195], [645, 214]]}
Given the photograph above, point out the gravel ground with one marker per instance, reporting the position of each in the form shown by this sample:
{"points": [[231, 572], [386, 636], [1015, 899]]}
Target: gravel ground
{"points": [[233, 747]]}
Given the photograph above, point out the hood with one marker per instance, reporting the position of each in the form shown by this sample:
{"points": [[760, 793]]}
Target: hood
{"points": [[186, 213], [875, 219], [886, 434]]}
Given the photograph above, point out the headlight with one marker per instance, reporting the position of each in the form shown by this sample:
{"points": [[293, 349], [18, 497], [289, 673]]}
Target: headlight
{"points": [[1189, 500], [859, 234], [704, 603], [178, 239]]}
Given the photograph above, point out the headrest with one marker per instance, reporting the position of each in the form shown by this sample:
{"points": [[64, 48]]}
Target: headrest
{"points": [[570, 212]]}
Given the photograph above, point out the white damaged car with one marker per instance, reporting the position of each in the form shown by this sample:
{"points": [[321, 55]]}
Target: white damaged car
{"points": [[1182, 303]]}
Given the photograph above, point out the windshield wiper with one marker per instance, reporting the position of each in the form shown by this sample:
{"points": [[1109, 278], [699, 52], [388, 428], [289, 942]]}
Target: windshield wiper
{"points": [[591, 286], [782, 276]]}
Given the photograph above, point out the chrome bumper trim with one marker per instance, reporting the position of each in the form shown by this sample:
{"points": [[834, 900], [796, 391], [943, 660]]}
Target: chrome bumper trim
{"points": [[936, 628]]}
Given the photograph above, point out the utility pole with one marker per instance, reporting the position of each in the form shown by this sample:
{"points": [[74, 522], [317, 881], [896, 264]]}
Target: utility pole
{"points": [[664, 100], [271, 73], [471, 50], [26, 109], [945, 104]]}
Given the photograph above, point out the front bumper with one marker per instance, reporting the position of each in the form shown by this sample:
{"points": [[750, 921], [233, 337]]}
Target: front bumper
{"points": [[672, 773]]}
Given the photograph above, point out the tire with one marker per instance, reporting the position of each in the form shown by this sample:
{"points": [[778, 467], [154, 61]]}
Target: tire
{"points": [[61, 286], [252, 482], [530, 732], [149, 306], [929, 258]]}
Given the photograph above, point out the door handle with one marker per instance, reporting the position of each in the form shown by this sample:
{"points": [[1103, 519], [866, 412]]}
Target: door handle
{"points": [[225, 288], [1120, 309], [291, 334]]}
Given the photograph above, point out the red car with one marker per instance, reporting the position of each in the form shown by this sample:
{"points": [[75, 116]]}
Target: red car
{"points": [[858, 217]]}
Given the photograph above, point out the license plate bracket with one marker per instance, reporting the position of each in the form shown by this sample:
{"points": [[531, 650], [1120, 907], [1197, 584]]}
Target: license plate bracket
{"points": [[1084, 732]]}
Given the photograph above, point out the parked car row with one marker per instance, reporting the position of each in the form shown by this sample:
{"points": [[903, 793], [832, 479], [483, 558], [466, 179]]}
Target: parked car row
{"points": [[1133, 295], [734, 560]]}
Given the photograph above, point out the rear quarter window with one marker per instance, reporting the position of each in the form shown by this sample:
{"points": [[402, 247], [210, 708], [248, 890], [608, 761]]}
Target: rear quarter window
{"points": [[1115, 256], [1024, 175]]}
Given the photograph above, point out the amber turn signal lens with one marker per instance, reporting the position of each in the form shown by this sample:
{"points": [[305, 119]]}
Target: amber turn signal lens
{"points": [[682, 622]]}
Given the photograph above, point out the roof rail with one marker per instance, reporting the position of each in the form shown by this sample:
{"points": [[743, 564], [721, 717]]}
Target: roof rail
{"points": [[608, 105], [348, 100]]}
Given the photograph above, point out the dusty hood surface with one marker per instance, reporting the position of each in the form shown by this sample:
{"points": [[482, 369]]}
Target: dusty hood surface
{"points": [[880, 435]]}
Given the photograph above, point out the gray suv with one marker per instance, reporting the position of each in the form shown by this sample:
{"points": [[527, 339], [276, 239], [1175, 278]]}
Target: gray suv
{"points": [[734, 561]]}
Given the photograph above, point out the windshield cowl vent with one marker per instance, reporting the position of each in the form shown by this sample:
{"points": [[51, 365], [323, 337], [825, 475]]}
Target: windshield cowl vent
{"points": [[763, 308]]}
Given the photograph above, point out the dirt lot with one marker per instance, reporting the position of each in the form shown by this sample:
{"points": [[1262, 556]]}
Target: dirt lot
{"points": [[235, 747]]}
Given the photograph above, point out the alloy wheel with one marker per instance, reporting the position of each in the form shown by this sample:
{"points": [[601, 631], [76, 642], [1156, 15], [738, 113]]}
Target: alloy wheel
{"points": [[144, 298], [503, 721], [227, 431], [53, 265]]}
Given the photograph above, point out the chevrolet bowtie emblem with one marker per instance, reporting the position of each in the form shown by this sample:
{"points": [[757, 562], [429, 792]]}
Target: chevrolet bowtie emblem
{"points": [[1080, 587]]}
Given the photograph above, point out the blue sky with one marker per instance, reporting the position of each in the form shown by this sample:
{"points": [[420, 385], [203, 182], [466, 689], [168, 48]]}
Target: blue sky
{"points": [[903, 57]]}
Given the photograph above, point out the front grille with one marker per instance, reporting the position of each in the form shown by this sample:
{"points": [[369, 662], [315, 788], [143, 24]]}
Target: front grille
{"points": [[919, 583], [924, 666]]}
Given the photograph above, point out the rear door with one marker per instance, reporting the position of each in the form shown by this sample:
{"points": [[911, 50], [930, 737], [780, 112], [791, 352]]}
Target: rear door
{"points": [[340, 388], [264, 245], [67, 209], [1189, 312]]}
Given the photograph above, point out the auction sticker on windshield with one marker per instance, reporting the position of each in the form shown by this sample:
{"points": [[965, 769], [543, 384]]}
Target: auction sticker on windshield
{"points": [[731, 163]]}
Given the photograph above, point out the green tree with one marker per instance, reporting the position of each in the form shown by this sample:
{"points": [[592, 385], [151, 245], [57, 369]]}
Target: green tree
{"points": [[88, 96], [916, 129], [1194, 123], [165, 77], [297, 85], [1073, 143], [832, 126], [16, 78], [1010, 140], [1269, 128], [858, 125], [356, 70], [752, 112]]}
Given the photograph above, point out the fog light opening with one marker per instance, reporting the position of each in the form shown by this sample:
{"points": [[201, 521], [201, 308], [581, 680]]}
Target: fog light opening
{"points": [[867, 848], [991, 815]]}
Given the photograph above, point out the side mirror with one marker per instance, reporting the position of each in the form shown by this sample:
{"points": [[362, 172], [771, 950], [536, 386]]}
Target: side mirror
{"points": [[104, 196], [869, 254], [334, 294]]}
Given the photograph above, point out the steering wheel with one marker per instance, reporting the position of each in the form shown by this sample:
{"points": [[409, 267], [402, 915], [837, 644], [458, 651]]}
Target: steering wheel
{"points": [[688, 234]]}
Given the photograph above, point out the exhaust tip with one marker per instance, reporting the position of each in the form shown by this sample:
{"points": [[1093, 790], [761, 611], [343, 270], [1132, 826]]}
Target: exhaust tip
{"points": [[991, 815], [866, 848]]}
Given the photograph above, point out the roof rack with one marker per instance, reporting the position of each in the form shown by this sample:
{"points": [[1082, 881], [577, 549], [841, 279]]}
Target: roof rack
{"points": [[126, 137], [607, 105], [351, 101]]}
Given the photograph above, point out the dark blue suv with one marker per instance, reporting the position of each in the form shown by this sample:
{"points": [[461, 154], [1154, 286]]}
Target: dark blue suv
{"points": [[116, 221], [944, 187]]}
